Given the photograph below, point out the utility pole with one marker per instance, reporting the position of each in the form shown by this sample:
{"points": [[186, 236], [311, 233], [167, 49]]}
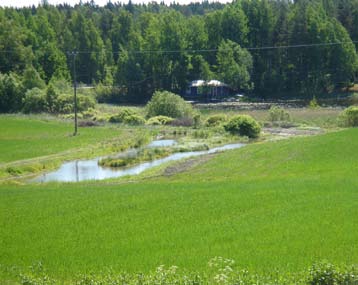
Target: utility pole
{"points": [[74, 53]]}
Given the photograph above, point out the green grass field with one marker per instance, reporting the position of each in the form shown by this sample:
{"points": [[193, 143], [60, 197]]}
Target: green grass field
{"points": [[23, 137], [282, 204]]}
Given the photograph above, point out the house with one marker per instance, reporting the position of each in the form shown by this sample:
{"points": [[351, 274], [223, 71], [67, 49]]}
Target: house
{"points": [[211, 90]]}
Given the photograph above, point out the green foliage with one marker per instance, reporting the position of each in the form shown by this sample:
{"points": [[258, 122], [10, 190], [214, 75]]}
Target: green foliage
{"points": [[313, 104], [349, 117], [142, 155], [159, 120], [34, 101], [108, 94], [277, 113], [201, 134], [134, 120], [64, 103], [31, 79], [234, 65], [216, 120], [11, 93], [34, 44], [164, 103], [51, 98], [243, 125], [13, 170], [122, 115]]}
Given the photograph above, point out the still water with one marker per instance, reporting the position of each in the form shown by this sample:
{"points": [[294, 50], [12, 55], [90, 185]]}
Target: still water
{"points": [[80, 170]]}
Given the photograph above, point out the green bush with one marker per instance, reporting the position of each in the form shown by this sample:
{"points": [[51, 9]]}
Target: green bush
{"points": [[159, 120], [216, 120], [121, 116], [164, 103], [64, 103], [85, 102], [243, 125], [277, 113], [313, 104], [108, 94], [90, 113], [34, 101], [134, 120], [349, 117]]}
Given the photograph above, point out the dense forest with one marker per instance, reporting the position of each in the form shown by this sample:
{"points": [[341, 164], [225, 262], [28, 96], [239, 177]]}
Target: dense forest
{"points": [[263, 48]]}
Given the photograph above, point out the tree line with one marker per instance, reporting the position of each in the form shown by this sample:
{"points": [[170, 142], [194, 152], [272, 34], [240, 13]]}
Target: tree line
{"points": [[267, 48]]}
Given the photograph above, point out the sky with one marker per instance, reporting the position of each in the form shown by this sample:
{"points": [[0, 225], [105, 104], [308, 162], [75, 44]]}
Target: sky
{"points": [[27, 3]]}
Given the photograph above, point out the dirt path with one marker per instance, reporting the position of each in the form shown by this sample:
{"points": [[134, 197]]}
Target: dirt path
{"points": [[291, 132], [183, 166]]}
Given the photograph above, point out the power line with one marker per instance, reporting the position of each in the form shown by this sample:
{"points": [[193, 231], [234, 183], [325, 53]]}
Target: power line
{"points": [[206, 50]]}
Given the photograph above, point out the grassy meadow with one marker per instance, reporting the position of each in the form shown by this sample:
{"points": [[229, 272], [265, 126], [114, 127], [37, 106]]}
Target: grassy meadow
{"points": [[272, 205], [44, 136]]}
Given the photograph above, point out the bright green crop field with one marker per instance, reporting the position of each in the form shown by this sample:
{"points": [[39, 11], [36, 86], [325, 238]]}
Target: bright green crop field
{"points": [[274, 205], [24, 137]]}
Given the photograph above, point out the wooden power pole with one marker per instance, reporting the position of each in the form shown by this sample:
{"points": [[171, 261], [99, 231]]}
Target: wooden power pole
{"points": [[74, 53]]}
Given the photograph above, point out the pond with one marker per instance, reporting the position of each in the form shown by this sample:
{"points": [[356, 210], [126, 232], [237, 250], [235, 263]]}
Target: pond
{"points": [[81, 170]]}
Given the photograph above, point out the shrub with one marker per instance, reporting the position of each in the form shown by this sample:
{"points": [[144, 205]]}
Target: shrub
{"points": [[159, 120], [243, 125], [34, 101], [64, 103], [313, 103], [277, 113], [85, 102], [164, 103], [108, 94], [349, 117], [122, 114], [216, 120], [134, 120], [90, 113]]}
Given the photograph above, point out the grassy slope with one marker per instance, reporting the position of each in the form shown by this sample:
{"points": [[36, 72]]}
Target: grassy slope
{"points": [[26, 137], [279, 205]]}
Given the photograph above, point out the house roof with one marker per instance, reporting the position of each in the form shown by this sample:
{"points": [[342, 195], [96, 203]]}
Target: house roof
{"points": [[197, 83], [215, 83]]}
